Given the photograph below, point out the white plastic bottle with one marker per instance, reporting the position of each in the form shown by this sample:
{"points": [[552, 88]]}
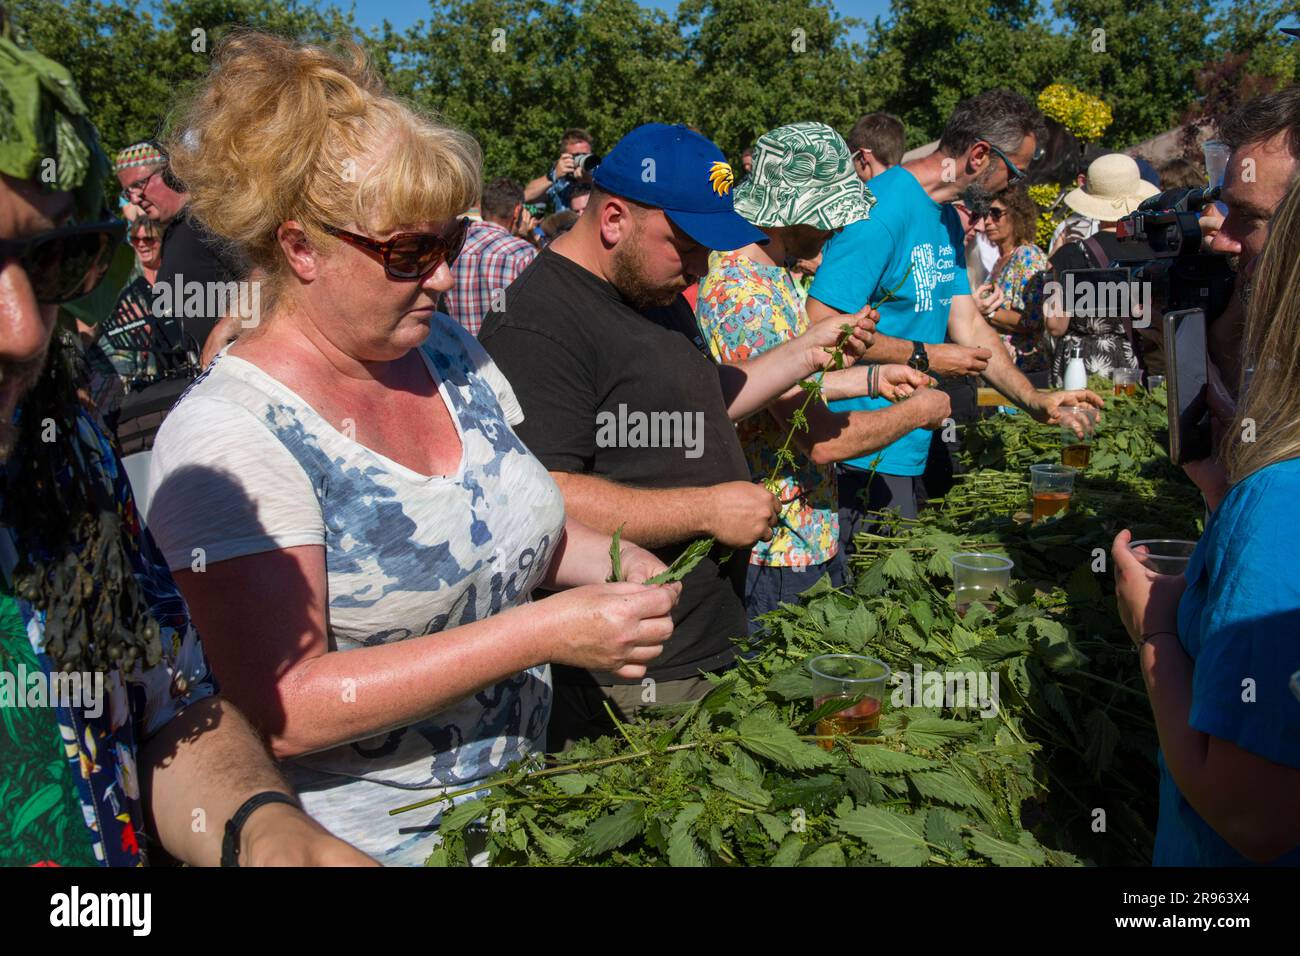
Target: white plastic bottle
{"points": [[1076, 375]]}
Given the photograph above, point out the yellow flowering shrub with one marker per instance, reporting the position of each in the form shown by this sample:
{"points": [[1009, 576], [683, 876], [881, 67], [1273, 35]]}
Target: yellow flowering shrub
{"points": [[1084, 115]]}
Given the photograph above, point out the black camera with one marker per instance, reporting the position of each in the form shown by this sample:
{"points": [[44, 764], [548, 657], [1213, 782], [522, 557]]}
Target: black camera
{"points": [[1164, 235]]}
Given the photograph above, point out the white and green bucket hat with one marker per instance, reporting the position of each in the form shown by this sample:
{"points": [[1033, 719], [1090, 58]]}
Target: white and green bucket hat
{"points": [[803, 175]]}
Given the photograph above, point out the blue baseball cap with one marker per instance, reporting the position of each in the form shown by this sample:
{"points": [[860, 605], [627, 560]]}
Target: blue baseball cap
{"points": [[675, 169]]}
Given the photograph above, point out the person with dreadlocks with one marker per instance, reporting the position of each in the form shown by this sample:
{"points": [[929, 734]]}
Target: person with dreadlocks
{"points": [[140, 738]]}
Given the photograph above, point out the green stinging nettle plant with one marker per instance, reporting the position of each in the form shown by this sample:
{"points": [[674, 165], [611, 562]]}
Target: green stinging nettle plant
{"points": [[1061, 771]]}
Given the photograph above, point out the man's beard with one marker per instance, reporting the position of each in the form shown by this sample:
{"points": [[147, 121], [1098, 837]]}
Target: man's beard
{"points": [[628, 266], [16, 378]]}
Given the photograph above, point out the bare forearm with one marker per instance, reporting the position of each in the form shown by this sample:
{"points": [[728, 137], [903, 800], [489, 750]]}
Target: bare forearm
{"points": [[1245, 798], [861, 433], [536, 189], [197, 771], [1008, 321], [582, 557], [967, 327], [652, 517], [752, 385]]}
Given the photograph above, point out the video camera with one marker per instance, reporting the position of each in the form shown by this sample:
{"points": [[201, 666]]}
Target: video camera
{"points": [[1165, 237]]}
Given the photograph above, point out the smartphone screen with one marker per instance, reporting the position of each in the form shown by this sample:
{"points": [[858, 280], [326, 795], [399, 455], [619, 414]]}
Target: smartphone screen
{"points": [[1188, 377]]}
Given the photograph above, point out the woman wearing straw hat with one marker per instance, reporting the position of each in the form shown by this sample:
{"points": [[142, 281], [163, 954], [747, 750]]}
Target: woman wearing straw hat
{"points": [[1114, 188]]}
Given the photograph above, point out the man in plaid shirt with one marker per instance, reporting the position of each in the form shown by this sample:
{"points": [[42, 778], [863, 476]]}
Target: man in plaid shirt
{"points": [[491, 258]]}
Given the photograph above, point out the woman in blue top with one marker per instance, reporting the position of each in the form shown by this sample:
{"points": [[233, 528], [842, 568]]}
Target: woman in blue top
{"points": [[1218, 645]]}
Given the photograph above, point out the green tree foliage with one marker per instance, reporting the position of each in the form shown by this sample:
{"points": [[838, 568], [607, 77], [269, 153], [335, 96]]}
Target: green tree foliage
{"points": [[518, 72]]}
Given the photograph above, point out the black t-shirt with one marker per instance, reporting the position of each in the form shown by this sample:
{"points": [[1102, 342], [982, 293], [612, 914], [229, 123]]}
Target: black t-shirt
{"points": [[193, 254], [596, 377]]}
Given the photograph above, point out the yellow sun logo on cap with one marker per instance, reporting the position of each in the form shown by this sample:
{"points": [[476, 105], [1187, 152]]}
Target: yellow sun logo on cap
{"points": [[721, 177]]}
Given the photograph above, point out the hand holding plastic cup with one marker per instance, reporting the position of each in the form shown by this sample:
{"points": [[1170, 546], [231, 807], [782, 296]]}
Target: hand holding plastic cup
{"points": [[1078, 424], [1163, 555], [976, 579], [860, 682], [1052, 486]]}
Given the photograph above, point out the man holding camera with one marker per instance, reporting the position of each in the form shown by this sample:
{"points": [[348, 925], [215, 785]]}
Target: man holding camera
{"points": [[573, 168]]}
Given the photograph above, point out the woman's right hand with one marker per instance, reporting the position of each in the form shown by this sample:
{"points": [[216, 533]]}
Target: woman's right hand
{"points": [[617, 628]]}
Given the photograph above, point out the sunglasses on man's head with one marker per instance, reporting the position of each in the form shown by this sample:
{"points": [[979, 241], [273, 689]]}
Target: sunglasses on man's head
{"points": [[410, 255], [66, 263]]}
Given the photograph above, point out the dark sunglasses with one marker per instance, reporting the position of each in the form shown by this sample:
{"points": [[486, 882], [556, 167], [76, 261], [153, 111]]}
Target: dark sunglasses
{"points": [[410, 255], [1014, 175], [66, 263], [996, 214]]}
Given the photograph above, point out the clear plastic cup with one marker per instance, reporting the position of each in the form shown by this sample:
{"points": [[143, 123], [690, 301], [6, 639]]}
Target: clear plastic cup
{"points": [[1125, 380], [860, 682], [1154, 382], [1164, 555], [1052, 486], [1076, 446], [1216, 161], [976, 579]]}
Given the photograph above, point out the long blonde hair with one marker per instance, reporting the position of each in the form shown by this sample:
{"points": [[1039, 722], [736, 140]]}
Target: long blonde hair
{"points": [[281, 130], [1271, 405]]}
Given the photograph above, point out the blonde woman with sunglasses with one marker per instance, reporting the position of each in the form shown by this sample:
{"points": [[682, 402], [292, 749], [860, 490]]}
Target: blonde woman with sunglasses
{"points": [[349, 514]]}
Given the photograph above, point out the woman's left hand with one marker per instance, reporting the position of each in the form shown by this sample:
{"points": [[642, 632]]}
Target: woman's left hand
{"points": [[989, 298], [1148, 602]]}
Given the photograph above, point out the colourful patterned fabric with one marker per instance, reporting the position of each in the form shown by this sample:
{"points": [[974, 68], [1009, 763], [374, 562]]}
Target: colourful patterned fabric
{"points": [[1014, 275], [69, 786], [489, 261], [744, 309]]}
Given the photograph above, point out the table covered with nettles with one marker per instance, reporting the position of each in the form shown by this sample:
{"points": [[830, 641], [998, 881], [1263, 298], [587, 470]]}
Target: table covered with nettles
{"points": [[1062, 772]]}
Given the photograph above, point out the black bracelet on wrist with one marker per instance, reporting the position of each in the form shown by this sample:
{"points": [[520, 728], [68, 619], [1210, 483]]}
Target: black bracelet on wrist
{"points": [[1146, 637], [235, 825]]}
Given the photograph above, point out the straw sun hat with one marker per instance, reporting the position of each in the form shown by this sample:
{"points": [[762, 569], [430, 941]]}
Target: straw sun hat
{"points": [[1113, 188]]}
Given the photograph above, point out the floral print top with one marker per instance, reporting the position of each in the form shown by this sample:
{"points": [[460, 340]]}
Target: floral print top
{"points": [[1014, 274], [744, 309]]}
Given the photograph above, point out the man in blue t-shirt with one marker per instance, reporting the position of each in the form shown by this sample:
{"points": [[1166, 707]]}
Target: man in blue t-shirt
{"points": [[912, 247]]}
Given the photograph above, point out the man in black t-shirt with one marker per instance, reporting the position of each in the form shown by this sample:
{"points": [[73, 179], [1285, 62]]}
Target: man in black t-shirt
{"points": [[629, 413]]}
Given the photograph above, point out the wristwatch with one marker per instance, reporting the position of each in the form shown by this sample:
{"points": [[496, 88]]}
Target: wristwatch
{"points": [[920, 360]]}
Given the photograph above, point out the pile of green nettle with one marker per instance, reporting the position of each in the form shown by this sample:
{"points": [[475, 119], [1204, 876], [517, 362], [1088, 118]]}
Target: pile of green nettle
{"points": [[1057, 768]]}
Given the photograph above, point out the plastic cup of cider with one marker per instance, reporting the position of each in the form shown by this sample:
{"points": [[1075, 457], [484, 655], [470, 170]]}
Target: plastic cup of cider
{"points": [[1076, 446], [976, 579], [1164, 555], [1052, 486], [856, 680], [1125, 381]]}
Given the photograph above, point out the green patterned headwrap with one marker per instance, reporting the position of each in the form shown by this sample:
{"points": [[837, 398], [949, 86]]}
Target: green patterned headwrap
{"points": [[45, 135], [803, 175]]}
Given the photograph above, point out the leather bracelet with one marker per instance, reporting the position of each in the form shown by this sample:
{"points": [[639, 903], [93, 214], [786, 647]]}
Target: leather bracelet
{"points": [[1146, 637], [235, 825]]}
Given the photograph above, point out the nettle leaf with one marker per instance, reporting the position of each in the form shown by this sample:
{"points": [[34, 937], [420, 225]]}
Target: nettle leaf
{"points": [[909, 636], [899, 566], [775, 827], [1102, 735], [871, 582], [893, 838], [768, 737], [792, 684], [685, 563], [1055, 698], [998, 649], [923, 614], [463, 814], [811, 794], [943, 829], [828, 855], [1025, 852], [789, 852], [1054, 646], [947, 787], [926, 733], [616, 556], [573, 783], [880, 759], [1083, 585], [612, 831], [558, 848], [726, 778], [683, 848]]}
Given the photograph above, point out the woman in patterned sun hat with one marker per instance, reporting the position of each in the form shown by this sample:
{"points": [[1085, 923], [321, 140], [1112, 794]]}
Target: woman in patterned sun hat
{"points": [[352, 519], [802, 190]]}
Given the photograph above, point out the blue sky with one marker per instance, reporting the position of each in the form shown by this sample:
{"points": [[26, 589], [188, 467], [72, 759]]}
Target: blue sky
{"points": [[402, 13]]}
